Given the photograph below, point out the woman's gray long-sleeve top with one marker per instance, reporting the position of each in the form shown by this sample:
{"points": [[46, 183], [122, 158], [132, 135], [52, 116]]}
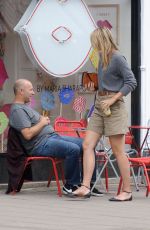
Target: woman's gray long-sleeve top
{"points": [[118, 77]]}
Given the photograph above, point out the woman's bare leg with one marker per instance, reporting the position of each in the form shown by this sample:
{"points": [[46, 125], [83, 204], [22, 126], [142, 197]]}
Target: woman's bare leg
{"points": [[118, 143], [89, 144]]}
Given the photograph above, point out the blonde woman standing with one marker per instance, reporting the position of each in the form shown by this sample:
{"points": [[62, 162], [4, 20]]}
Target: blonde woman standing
{"points": [[116, 80]]}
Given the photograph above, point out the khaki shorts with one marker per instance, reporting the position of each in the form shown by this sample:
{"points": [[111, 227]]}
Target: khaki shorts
{"points": [[114, 124]]}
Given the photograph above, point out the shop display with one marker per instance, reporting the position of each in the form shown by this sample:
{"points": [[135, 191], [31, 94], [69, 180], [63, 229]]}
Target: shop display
{"points": [[56, 35], [3, 126], [47, 101], [65, 96], [79, 105], [3, 73]]}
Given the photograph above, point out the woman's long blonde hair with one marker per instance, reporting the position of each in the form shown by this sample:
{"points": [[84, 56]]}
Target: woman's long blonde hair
{"points": [[103, 42]]}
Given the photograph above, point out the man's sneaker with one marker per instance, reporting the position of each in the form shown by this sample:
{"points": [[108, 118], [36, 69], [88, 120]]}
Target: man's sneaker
{"points": [[67, 188], [96, 192]]}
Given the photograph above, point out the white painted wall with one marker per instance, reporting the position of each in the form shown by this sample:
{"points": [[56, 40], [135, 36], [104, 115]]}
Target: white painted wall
{"points": [[145, 64]]}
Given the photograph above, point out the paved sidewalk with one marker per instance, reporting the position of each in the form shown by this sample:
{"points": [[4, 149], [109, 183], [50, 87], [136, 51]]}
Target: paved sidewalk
{"points": [[41, 209]]}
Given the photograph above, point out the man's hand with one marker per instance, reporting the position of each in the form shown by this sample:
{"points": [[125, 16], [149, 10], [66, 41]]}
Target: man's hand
{"points": [[44, 120], [29, 133]]}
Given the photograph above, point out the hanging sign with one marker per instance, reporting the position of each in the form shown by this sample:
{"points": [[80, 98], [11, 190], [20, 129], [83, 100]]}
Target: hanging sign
{"points": [[56, 35]]}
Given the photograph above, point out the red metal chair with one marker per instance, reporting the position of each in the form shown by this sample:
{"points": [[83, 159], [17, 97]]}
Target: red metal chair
{"points": [[106, 158], [138, 162], [18, 163], [70, 128], [77, 129], [101, 158], [57, 164], [144, 163]]}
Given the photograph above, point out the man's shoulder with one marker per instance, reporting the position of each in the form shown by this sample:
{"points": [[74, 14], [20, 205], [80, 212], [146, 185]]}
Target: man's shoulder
{"points": [[17, 108], [17, 105]]}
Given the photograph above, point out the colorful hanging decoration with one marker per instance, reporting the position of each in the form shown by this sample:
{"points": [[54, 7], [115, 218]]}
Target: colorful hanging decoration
{"points": [[3, 122], [66, 95], [47, 101], [3, 73], [90, 111], [32, 102], [94, 58], [79, 105], [104, 23], [6, 109]]}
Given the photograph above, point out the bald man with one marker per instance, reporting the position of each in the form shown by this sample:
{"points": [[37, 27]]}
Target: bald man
{"points": [[39, 138]]}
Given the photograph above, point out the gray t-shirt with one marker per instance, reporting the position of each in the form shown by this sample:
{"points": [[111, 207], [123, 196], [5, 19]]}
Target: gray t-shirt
{"points": [[118, 77], [23, 116]]}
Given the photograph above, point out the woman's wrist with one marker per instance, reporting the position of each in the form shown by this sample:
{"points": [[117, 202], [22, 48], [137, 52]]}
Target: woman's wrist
{"points": [[117, 96]]}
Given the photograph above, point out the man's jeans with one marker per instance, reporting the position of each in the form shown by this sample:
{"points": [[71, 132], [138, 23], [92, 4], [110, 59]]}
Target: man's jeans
{"points": [[69, 148]]}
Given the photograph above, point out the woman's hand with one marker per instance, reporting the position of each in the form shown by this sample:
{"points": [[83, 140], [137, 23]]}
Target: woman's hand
{"points": [[107, 103], [110, 101]]}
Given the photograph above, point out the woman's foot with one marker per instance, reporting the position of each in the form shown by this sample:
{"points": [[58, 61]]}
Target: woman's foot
{"points": [[124, 196], [82, 192]]}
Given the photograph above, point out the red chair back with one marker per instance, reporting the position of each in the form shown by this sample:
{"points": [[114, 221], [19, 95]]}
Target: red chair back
{"points": [[128, 139], [69, 128]]}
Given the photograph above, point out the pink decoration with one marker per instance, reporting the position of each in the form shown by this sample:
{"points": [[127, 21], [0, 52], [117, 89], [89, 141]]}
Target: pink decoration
{"points": [[3, 73], [6, 109], [104, 23], [32, 102], [79, 104]]}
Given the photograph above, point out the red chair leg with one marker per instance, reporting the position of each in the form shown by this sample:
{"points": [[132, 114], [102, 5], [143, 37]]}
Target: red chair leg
{"points": [[57, 178], [50, 177], [147, 191], [52, 173], [147, 179], [106, 178], [103, 160]]}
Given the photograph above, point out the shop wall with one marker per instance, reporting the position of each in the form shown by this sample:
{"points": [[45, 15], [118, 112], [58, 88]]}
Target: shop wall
{"points": [[124, 29], [18, 65]]}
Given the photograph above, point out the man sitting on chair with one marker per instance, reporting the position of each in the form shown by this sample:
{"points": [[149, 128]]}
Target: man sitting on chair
{"points": [[39, 138]]}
